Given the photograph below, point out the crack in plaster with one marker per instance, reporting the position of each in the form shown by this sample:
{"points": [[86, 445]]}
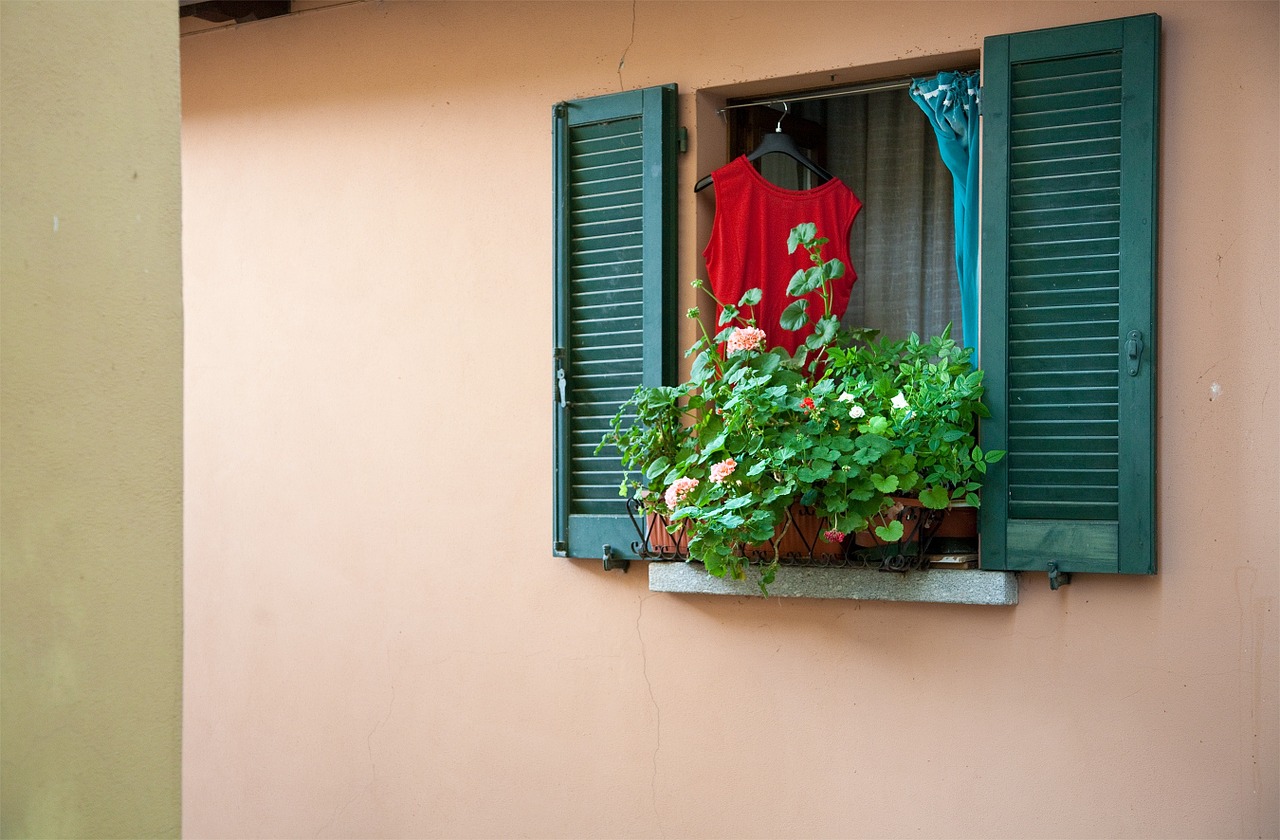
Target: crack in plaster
{"points": [[623, 59], [373, 765], [657, 711]]}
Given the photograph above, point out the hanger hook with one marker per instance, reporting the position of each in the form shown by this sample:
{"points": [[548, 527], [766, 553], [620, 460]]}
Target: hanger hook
{"points": [[786, 109]]}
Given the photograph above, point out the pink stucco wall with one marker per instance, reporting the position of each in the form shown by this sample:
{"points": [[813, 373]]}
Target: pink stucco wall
{"points": [[378, 640]]}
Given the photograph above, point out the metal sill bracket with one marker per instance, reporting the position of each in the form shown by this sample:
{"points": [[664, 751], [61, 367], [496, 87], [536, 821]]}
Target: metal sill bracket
{"points": [[1056, 578], [612, 561]]}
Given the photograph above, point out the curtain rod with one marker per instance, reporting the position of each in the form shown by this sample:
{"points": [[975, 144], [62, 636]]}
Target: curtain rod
{"points": [[849, 90]]}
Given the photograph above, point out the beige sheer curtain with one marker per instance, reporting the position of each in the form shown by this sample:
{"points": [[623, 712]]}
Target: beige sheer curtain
{"points": [[903, 242]]}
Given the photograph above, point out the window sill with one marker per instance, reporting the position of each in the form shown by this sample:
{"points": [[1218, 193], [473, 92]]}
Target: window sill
{"points": [[934, 586]]}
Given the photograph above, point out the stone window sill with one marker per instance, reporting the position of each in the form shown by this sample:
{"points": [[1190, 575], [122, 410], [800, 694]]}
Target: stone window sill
{"points": [[936, 586]]}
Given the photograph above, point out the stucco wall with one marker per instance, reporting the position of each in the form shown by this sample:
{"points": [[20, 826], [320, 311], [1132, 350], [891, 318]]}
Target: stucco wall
{"points": [[379, 642], [90, 421]]}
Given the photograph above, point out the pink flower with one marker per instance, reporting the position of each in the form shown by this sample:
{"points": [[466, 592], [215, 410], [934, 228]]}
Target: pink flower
{"points": [[746, 338], [833, 536], [722, 470], [679, 489]]}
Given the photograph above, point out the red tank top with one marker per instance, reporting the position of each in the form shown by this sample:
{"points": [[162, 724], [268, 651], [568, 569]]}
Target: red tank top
{"points": [[748, 246]]}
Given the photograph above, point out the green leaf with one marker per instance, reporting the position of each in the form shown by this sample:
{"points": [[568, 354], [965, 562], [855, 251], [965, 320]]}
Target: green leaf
{"points": [[935, 497], [750, 297], [842, 444], [657, 467], [766, 362], [884, 483], [878, 425], [826, 328], [728, 314], [800, 233], [796, 283], [993, 455], [701, 365], [890, 533], [794, 317], [870, 448], [833, 268]]}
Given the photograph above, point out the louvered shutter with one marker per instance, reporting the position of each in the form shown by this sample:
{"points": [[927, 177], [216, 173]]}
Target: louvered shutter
{"points": [[615, 233], [1068, 295]]}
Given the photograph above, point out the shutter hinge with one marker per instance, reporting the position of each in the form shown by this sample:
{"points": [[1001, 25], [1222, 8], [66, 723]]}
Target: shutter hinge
{"points": [[613, 561], [682, 140], [559, 110], [1057, 578]]}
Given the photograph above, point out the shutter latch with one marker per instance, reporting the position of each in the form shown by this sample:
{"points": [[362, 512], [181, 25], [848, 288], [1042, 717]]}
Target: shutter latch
{"points": [[1057, 578], [1133, 350], [560, 394], [613, 561]]}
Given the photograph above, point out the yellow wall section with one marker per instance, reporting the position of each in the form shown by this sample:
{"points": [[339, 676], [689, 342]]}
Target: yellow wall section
{"points": [[91, 420]]}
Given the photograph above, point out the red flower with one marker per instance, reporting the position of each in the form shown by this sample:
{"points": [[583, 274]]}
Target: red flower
{"points": [[807, 404]]}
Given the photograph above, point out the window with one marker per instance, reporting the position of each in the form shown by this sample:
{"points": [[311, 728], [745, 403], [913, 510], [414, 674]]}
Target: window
{"points": [[1067, 296]]}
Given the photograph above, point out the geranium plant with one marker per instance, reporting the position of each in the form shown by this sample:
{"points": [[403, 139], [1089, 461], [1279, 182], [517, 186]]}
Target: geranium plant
{"points": [[837, 426]]}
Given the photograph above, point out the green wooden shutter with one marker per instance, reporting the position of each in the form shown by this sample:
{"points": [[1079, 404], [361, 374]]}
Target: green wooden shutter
{"points": [[615, 234], [1068, 287]]}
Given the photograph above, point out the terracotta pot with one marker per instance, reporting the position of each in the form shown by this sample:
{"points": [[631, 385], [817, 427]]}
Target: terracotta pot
{"points": [[662, 541], [802, 537], [958, 520]]}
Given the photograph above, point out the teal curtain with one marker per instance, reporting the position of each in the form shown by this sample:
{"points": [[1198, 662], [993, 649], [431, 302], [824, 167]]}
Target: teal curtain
{"points": [[950, 101]]}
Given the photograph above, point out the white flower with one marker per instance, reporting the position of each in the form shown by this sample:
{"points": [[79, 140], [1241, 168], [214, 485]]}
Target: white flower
{"points": [[857, 411], [900, 401], [846, 397]]}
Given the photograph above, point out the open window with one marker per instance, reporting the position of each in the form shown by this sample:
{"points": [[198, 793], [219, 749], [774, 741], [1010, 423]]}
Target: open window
{"points": [[1066, 322]]}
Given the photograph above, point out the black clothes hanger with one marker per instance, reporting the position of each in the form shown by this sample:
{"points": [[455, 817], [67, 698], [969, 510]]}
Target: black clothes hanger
{"points": [[779, 143]]}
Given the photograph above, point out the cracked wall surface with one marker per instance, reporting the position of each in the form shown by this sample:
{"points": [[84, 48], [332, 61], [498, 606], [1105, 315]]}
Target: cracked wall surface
{"points": [[379, 639]]}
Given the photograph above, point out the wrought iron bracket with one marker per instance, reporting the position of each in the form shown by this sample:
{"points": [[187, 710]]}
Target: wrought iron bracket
{"points": [[1057, 577]]}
